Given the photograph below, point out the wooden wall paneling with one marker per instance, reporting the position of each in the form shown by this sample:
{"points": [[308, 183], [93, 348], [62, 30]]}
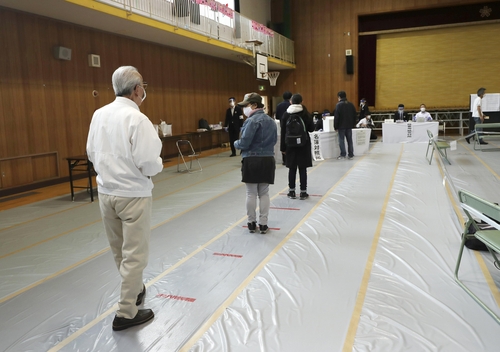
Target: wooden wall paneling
{"points": [[33, 118], [16, 172], [14, 126], [45, 167], [322, 59], [154, 97]]}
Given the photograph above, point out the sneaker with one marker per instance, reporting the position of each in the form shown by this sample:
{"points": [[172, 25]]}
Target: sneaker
{"points": [[482, 142], [351, 157], [303, 195], [263, 229], [291, 195], [252, 226], [341, 157]]}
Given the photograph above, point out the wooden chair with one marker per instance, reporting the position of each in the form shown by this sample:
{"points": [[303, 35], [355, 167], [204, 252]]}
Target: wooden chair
{"points": [[475, 207], [439, 145], [186, 151]]}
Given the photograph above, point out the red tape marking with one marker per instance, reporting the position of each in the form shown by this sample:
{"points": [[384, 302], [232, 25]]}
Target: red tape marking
{"points": [[179, 298], [229, 255]]}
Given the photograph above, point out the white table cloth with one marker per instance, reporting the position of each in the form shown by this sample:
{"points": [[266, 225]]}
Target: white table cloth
{"points": [[408, 132]]}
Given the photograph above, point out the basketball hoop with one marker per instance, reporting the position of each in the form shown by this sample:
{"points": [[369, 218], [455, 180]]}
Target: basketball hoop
{"points": [[273, 77]]}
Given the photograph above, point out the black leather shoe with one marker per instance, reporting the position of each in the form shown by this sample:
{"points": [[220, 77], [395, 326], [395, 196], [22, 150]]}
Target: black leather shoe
{"points": [[140, 296], [482, 142], [468, 140], [232, 155], [142, 316]]}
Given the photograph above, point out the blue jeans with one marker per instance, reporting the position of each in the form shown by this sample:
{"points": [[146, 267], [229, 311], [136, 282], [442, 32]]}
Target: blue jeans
{"points": [[347, 134], [477, 120]]}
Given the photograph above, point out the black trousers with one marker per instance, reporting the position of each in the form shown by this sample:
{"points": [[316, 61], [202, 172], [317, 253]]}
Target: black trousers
{"points": [[233, 136], [292, 175]]}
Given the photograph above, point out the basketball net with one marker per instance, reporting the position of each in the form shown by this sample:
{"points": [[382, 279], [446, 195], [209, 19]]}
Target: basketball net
{"points": [[273, 77]]}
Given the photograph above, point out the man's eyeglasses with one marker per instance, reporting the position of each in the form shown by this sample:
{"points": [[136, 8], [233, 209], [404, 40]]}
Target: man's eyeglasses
{"points": [[145, 85]]}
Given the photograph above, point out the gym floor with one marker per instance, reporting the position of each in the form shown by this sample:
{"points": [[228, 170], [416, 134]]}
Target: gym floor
{"points": [[364, 264]]}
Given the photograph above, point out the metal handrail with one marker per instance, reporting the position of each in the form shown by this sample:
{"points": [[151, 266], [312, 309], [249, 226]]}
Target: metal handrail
{"points": [[201, 19]]}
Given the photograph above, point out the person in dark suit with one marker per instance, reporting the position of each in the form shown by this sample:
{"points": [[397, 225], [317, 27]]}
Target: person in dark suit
{"points": [[400, 115], [233, 123], [363, 109]]}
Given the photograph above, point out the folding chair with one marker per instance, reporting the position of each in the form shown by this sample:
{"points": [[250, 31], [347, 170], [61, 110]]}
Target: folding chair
{"points": [[442, 127], [186, 151], [475, 207], [440, 145]]}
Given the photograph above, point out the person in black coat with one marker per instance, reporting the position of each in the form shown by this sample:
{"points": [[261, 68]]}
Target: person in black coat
{"points": [[297, 157], [280, 111], [401, 114], [344, 121], [233, 123], [364, 110]]}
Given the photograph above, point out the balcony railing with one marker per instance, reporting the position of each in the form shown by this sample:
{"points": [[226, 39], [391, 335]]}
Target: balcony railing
{"points": [[189, 15]]}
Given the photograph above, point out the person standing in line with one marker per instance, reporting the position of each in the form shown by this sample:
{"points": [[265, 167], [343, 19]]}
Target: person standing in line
{"points": [[363, 109], [401, 115], [422, 115], [280, 110], [233, 123], [343, 122], [297, 156], [258, 137], [477, 113], [125, 150]]}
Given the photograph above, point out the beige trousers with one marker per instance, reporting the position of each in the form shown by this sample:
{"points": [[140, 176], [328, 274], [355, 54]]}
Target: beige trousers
{"points": [[127, 222]]}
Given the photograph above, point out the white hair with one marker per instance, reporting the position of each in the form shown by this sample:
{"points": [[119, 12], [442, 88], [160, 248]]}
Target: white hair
{"points": [[125, 79]]}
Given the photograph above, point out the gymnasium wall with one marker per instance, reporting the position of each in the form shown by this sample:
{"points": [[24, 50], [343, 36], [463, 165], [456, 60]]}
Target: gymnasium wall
{"points": [[323, 30], [46, 104]]}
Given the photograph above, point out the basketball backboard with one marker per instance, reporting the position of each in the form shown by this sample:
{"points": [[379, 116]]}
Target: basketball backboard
{"points": [[261, 66]]}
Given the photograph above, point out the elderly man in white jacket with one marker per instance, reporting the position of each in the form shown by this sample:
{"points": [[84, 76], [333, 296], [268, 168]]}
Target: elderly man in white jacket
{"points": [[125, 150]]}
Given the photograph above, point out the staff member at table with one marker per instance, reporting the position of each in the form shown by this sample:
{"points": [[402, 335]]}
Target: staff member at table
{"points": [[367, 122], [422, 116], [401, 115], [125, 150]]}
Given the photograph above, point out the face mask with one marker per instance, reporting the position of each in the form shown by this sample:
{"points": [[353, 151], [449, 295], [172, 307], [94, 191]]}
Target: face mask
{"points": [[247, 110], [144, 96], [400, 109], [422, 109], [231, 104]]}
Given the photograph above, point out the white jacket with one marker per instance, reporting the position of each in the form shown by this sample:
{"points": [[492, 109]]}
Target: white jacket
{"points": [[125, 149]]}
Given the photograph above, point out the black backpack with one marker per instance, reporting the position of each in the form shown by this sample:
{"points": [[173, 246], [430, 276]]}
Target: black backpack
{"points": [[296, 134]]}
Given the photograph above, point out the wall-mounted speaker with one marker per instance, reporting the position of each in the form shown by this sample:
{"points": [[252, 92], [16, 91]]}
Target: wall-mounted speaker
{"points": [[94, 60], [349, 62], [62, 53]]}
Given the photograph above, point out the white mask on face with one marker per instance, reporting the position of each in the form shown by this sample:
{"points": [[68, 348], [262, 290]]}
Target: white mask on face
{"points": [[422, 109], [231, 104], [247, 110]]}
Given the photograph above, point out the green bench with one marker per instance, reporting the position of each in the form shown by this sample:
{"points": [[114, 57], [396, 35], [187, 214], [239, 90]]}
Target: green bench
{"points": [[439, 145], [475, 207], [485, 134]]}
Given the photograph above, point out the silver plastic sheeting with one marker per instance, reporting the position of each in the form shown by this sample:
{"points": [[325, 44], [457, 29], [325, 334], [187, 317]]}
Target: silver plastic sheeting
{"points": [[365, 264], [304, 298]]}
